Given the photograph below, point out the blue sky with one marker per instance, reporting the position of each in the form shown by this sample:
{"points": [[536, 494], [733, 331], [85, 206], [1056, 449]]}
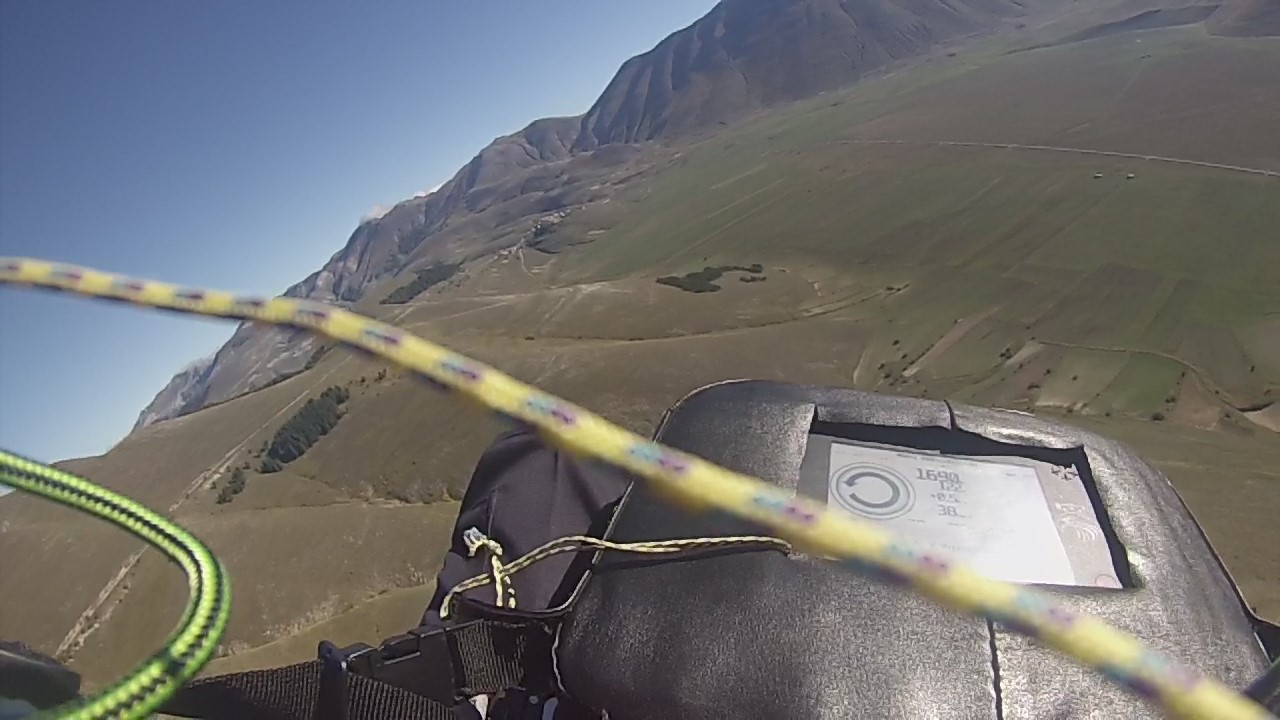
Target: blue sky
{"points": [[236, 144]]}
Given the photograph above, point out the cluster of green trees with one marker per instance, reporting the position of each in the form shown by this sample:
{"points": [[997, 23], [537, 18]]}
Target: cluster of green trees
{"points": [[232, 487], [433, 275], [703, 280], [313, 421]]}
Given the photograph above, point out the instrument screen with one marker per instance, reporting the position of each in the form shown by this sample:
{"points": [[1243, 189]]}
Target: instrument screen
{"points": [[1009, 518]]}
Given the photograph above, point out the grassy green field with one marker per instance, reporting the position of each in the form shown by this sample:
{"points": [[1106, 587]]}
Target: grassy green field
{"points": [[995, 276]]}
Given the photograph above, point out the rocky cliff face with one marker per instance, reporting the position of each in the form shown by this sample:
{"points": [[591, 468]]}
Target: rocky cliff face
{"points": [[743, 55], [379, 248], [181, 392]]}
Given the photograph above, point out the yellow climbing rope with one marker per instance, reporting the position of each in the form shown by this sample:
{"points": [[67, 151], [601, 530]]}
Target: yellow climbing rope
{"points": [[696, 483]]}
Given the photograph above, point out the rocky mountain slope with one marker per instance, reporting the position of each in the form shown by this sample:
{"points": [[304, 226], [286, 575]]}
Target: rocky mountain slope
{"points": [[743, 55], [379, 248], [747, 54], [1246, 18]]}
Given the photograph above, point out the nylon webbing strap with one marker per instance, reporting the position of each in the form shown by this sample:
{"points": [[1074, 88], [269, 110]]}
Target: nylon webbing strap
{"points": [[291, 693], [493, 655], [410, 676]]}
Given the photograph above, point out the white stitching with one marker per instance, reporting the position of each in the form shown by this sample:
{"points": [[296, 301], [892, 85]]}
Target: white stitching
{"points": [[555, 660]]}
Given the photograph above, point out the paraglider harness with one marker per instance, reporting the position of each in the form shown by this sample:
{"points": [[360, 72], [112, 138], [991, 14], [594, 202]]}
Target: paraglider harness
{"points": [[600, 648], [737, 582]]}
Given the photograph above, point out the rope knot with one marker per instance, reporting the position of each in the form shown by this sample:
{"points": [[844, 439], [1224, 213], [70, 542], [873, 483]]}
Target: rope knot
{"points": [[475, 540]]}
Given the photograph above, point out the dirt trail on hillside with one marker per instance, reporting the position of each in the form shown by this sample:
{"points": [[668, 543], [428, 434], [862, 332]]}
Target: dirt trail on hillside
{"points": [[1082, 151], [948, 339]]}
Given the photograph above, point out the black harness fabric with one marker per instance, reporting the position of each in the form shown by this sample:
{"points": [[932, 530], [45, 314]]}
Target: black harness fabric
{"points": [[35, 677], [758, 635], [524, 493]]}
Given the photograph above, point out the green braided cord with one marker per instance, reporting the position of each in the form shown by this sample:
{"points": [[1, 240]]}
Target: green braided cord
{"points": [[191, 645]]}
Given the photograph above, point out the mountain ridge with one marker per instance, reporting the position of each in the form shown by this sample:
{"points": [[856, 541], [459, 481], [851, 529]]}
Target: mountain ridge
{"points": [[378, 248], [1246, 18], [747, 54], [741, 56]]}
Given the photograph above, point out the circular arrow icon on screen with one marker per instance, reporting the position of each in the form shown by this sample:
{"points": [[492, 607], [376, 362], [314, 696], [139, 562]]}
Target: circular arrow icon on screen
{"points": [[873, 491]]}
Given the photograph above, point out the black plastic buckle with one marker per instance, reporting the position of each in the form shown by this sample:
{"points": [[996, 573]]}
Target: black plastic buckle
{"points": [[420, 661], [332, 700]]}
